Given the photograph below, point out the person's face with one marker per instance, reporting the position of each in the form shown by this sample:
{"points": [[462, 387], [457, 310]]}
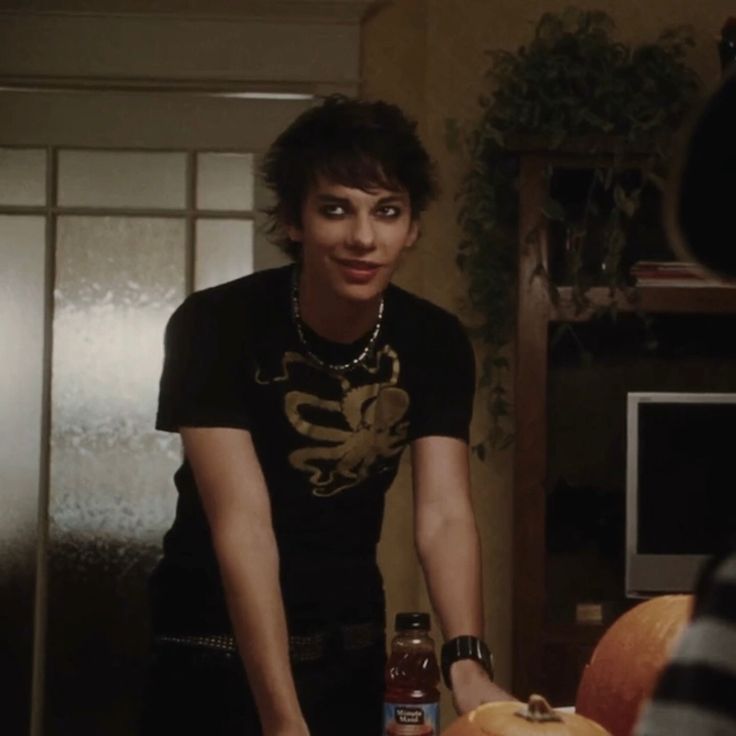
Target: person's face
{"points": [[352, 239]]}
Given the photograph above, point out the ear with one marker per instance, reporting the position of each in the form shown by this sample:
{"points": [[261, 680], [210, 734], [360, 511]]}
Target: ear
{"points": [[412, 235]]}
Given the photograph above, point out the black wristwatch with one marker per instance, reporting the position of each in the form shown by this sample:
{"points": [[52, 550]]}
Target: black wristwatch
{"points": [[465, 647]]}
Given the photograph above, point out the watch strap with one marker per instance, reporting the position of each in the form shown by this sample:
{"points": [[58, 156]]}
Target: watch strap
{"points": [[465, 647]]}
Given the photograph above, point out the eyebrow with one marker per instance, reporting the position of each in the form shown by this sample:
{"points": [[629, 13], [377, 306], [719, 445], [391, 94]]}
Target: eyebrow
{"points": [[333, 198]]}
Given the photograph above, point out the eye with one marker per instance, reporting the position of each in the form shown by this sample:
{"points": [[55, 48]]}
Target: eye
{"points": [[389, 211], [332, 210]]}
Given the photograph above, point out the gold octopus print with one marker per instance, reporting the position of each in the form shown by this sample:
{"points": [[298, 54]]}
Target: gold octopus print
{"points": [[352, 435]]}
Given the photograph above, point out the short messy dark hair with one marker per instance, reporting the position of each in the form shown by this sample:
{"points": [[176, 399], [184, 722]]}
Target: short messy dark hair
{"points": [[356, 143]]}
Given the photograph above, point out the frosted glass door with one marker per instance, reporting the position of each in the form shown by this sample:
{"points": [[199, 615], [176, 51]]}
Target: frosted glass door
{"points": [[117, 281], [118, 277], [119, 274]]}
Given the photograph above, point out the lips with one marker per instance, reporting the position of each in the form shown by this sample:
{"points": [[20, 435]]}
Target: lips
{"points": [[358, 265], [357, 271]]}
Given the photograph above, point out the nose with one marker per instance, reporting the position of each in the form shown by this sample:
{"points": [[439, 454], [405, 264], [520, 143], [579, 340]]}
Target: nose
{"points": [[362, 234]]}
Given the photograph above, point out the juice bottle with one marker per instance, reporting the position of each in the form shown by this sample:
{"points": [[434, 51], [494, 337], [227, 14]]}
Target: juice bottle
{"points": [[411, 701]]}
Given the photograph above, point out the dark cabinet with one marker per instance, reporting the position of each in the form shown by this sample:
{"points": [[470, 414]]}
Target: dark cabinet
{"points": [[569, 472]]}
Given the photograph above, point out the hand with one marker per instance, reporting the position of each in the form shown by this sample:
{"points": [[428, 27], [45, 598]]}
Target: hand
{"points": [[471, 686]]}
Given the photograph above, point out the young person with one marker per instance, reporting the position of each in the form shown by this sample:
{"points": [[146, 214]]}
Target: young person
{"points": [[295, 391]]}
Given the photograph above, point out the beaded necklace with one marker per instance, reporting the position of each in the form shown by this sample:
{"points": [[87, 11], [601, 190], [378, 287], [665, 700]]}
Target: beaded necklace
{"points": [[299, 324]]}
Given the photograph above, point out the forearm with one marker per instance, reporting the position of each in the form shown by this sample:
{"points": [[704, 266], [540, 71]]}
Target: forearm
{"points": [[449, 554], [248, 560], [238, 510], [450, 558], [449, 551]]}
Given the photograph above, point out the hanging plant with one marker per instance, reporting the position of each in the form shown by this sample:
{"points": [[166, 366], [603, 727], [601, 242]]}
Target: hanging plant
{"points": [[573, 84]]}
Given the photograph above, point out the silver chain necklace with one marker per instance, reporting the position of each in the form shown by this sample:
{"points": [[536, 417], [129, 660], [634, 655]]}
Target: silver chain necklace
{"points": [[299, 324]]}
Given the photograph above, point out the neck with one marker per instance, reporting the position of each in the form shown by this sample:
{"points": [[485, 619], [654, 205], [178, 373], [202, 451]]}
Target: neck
{"points": [[333, 318]]}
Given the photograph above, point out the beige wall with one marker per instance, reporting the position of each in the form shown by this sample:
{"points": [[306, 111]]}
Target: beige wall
{"points": [[428, 56]]}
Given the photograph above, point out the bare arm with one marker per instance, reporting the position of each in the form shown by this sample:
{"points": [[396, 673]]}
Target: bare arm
{"points": [[449, 551], [237, 506]]}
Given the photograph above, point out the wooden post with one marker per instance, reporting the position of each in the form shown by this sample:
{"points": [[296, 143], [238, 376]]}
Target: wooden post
{"points": [[530, 398]]}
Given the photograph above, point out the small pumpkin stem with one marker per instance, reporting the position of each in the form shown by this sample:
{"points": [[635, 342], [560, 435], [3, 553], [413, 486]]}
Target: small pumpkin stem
{"points": [[538, 710]]}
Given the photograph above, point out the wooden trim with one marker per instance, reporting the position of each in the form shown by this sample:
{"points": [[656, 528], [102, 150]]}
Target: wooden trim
{"points": [[530, 398], [40, 618], [142, 120], [285, 11], [649, 300], [304, 47], [263, 90]]}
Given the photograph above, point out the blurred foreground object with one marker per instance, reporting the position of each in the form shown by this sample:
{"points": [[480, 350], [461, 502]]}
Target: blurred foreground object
{"points": [[628, 659], [727, 44], [700, 206], [536, 718], [696, 694]]}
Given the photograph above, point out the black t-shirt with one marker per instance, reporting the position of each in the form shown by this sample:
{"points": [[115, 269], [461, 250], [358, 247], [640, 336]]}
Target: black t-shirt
{"points": [[328, 443]]}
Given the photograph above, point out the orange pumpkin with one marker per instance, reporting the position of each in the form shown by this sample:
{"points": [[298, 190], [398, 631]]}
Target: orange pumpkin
{"points": [[511, 718], [627, 662]]}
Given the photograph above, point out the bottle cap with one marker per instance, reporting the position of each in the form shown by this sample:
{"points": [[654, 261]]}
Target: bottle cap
{"points": [[412, 620]]}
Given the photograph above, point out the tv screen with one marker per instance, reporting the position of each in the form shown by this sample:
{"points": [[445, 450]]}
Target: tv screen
{"points": [[681, 486]]}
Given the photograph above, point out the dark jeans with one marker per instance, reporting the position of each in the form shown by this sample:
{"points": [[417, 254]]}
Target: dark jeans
{"points": [[196, 691]]}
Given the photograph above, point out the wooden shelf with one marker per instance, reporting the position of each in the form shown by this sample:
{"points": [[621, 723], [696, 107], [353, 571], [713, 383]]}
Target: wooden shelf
{"points": [[547, 656], [647, 299]]}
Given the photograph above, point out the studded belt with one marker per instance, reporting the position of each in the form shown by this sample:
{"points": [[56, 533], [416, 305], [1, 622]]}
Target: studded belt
{"points": [[302, 648]]}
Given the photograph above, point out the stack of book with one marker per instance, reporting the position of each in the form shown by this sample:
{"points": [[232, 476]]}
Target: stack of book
{"points": [[675, 273]]}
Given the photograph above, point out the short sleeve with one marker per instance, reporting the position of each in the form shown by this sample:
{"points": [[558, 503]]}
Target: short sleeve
{"points": [[443, 402], [203, 378]]}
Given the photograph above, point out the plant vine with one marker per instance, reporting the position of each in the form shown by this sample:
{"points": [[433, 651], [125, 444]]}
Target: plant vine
{"points": [[572, 82]]}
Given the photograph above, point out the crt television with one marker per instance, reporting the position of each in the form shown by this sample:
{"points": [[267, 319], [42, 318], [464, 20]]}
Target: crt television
{"points": [[680, 487]]}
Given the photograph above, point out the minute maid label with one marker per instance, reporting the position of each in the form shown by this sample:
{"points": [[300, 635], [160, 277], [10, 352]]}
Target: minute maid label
{"points": [[410, 720]]}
